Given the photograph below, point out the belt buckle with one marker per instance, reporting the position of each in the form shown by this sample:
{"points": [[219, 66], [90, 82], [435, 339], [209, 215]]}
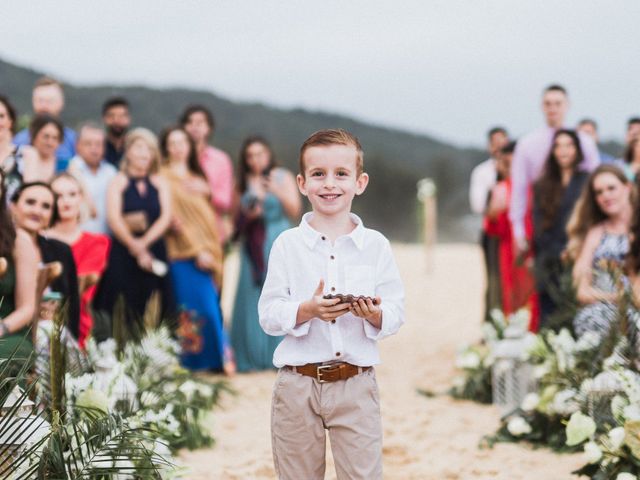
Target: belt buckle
{"points": [[320, 368]]}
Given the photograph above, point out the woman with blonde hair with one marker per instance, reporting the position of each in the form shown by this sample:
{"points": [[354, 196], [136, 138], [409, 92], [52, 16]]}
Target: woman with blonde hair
{"points": [[89, 250], [138, 214], [598, 233]]}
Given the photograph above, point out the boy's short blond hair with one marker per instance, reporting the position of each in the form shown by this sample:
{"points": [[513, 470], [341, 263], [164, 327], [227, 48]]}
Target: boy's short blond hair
{"points": [[333, 136]]}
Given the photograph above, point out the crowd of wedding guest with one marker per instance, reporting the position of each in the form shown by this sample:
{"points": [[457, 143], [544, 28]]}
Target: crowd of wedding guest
{"points": [[560, 219], [128, 217]]}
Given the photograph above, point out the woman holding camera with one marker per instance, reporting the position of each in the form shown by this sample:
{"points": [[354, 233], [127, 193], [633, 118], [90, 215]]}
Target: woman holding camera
{"points": [[268, 202]]}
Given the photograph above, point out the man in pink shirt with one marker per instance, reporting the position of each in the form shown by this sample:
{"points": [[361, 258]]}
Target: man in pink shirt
{"points": [[531, 153], [198, 121]]}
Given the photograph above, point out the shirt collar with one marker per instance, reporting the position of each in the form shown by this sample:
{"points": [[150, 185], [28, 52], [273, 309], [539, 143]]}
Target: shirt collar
{"points": [[311, 236]]}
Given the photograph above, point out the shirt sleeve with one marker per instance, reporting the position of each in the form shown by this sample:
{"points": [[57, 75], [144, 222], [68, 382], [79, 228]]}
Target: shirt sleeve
{"points": [[22, 138], [519, 189], [222, 184], [590, 152], [276, 311], [389, 288], [479, 186]]}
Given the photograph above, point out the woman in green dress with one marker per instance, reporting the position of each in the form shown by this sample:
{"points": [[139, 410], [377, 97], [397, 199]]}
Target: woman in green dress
{"points": [[17, 287], [269, 201]]}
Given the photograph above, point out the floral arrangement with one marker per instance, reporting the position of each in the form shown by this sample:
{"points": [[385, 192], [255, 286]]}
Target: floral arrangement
{"points": [[562, 369], [587, 395], [124, 419], [149, 388], [475, 361]]}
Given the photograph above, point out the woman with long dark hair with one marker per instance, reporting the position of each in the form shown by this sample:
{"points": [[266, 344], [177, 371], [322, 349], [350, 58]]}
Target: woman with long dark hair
{"points": [[554, 196], [34, 210], [195, 254], [599, 243], [268, 202], [17, 285]]}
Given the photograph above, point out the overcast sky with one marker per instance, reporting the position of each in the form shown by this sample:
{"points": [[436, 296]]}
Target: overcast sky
{"points": [[447, 68]]}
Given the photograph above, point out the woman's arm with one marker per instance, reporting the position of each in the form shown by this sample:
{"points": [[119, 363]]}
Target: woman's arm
{"points": [[160, 226], [283, 185], [26, 265], [583, 274]]}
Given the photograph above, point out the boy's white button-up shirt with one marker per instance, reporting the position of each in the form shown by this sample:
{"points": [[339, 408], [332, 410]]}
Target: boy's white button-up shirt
{"points": [[360, 263]]}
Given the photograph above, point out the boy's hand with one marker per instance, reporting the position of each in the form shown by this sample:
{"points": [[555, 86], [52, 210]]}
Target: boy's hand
{"points": [[318, 307], [366, 309]]}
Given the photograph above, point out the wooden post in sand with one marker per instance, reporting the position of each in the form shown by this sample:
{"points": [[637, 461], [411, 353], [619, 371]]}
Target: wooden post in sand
{"points": [[427, 196]]}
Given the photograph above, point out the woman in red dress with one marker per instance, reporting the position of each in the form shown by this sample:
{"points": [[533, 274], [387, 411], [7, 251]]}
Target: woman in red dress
{"points": [[90, 250], [515, 275]]}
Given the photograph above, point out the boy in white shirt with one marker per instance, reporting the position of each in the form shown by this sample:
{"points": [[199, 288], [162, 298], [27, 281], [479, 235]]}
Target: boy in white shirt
{"points": [[326, 379]]}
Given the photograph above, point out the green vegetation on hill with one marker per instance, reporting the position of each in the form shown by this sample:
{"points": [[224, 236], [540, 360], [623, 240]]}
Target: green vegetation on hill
{"points": [[395, 159]]}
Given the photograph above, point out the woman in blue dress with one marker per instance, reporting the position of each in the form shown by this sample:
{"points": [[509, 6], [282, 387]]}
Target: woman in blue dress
{"points": [[269, 201]]}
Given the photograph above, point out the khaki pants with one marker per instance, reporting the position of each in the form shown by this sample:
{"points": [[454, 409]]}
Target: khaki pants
{"points": [[302, 409]]}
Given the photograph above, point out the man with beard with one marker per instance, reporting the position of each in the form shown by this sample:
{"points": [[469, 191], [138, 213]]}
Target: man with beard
{"points": [[116, 118]]}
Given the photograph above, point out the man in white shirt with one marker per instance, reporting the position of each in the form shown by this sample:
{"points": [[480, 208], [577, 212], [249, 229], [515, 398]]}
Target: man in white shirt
{"points": [[484, 176], [94, 173], [326, 378]]}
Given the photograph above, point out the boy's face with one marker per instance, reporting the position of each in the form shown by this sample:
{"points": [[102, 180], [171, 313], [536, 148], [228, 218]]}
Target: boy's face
{"points": [[331, 179]]}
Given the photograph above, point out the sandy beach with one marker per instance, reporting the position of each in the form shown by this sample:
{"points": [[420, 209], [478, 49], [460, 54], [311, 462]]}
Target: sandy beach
{"points": [[424, 438]]}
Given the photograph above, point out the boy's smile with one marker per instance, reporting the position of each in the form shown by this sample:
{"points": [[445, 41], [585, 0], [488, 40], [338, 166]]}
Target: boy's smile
{"points": [[331, 179]]}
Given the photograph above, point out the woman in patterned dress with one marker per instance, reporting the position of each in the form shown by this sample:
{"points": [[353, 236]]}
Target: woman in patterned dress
{"points": [[599, 242]]}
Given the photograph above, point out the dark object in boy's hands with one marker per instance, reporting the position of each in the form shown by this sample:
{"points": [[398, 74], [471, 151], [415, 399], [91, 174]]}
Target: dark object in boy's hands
{"points": [[344, 298]]}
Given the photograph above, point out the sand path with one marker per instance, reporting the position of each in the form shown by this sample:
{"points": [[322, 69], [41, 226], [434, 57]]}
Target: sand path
{"points": [[425, 438]]}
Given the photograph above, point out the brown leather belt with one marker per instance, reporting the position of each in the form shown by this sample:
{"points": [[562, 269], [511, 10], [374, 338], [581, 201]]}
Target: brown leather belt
{"points": [[328, 373]]}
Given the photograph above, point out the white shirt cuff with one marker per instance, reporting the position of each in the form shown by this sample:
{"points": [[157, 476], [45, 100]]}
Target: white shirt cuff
{"points": [[290, 315]]}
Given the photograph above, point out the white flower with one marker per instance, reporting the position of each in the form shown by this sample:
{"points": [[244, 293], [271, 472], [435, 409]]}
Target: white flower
{"points": [[530, 402], [588, 341], [616, 437], [564, 402], [468, 360], [206, 390], [579, 428], [626, 476], [518, 426], [592, 452], [618, 404], [489, 333], [632, 412], [541, 370], [188, 388], [586, 386]]}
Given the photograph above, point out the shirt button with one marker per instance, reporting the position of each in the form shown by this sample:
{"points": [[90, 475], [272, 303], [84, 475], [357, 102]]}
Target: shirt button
{"points": [[323, 237], [332, 257], [337, 354], [333, 289], [333, 321]]}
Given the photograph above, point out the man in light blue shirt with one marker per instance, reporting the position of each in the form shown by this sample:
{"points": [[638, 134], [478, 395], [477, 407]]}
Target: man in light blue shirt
{"points": [[94, 173], [48, 98], [589, 127]]}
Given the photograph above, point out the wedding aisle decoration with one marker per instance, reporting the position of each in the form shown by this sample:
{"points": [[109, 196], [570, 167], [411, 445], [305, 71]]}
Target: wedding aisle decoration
{"points": [[122, 416], [584, 394]]}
